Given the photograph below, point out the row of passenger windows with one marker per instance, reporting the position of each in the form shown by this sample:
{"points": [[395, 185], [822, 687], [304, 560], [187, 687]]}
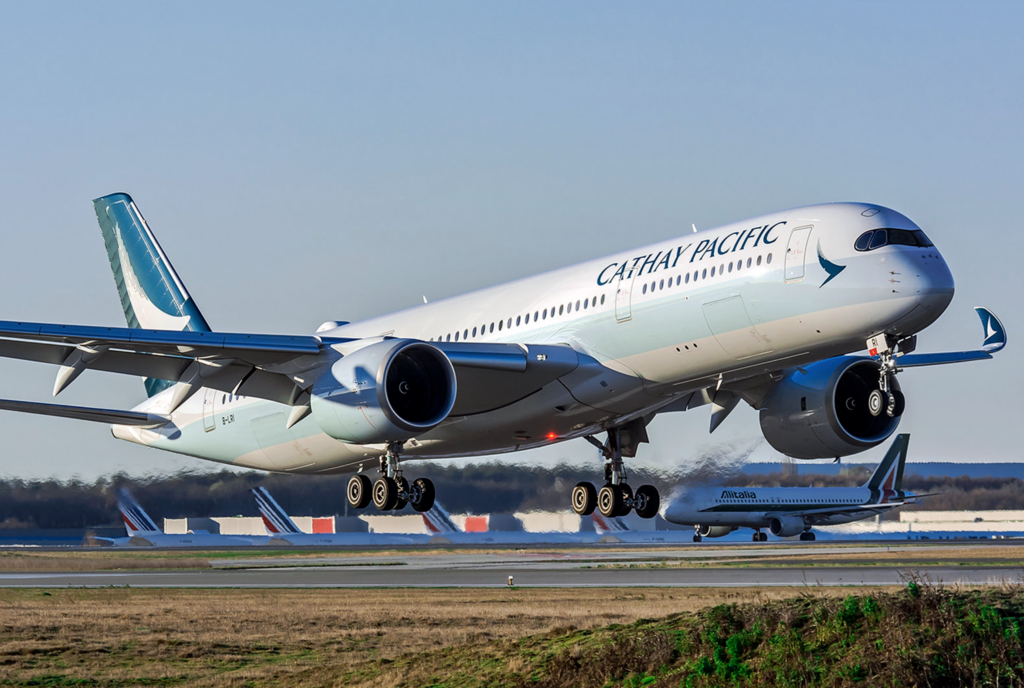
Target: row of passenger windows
{"points": [[523, 319], [703, 274], [784, 501]]}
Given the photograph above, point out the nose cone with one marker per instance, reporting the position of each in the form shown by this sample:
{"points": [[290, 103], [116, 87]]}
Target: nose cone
{"points": [[932, 281], [676, 506]]}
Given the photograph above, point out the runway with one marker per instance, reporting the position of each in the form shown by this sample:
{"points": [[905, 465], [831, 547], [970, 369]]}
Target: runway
{"points": [[727, 567]]}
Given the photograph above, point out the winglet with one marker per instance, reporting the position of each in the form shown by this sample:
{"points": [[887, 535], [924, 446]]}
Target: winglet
{"points": [[995, 333]]}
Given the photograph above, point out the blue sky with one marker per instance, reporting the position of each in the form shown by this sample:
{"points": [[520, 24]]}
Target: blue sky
{"points": [[307, 162]]}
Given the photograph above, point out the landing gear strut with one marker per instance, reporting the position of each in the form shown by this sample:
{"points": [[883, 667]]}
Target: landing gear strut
{"points": [[615, 498], [759, 536], [887, 397], [391, 491]]}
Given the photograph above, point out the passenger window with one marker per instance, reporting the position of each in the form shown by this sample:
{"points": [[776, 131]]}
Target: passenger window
{"points": [[768, 260], [577, 305], [687, 278], [645, 288], [730, 266], [704, 273], [721, 269], [510, 322], [474, 332], [748, 262], [712, 270], [492, 327], [500, 323], [465, 333], [517, 320], [586, 302], [535, 316], [456, 336], [545, 314], [448, 337], [560, 310], [679, 279], [602, 299], [759, 260]]}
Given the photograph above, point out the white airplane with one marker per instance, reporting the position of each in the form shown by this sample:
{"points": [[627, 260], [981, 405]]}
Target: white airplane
{"points": [[615, 529], [789, 511], [282, 529], [763, 311], [144, 532]]}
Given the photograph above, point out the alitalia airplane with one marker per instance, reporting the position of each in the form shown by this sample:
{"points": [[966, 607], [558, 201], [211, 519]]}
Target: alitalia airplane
{"points": [[789, 511], [764, 311]]}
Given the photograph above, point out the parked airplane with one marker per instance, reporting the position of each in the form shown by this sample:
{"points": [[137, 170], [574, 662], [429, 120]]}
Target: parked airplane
{"points": [[615, 529], [282, 528], [764, 311], [788, 511], [143, 531], [441, 527]]}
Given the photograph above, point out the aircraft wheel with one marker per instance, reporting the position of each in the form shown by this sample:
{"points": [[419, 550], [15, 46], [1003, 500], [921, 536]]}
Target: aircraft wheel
{"points": [[358, 491], [810, 536], [421, 494], [609, 501], [584, 499], [385, 494], [697, 538], [626, 497], [403, 488], [762, 537], [897, 404], [756, 537], [646, 501], [876, 402]]}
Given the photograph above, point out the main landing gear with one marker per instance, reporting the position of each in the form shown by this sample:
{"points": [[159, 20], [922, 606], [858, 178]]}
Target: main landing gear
{"points": [[391, 491], [759, 536], [807, 535], [616, 498]]}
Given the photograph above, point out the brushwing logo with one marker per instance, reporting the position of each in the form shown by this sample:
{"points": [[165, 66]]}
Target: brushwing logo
{"points": [[148, 313], [831, 268]]}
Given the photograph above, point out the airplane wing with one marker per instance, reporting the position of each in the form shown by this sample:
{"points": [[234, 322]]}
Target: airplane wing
{"points": [[830, 511], [995, 340], [111, 416], [273, 367]]}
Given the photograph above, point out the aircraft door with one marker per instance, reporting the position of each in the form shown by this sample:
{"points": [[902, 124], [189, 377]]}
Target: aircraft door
{"points": [[624, 297], [209, 420], [796, 252]]}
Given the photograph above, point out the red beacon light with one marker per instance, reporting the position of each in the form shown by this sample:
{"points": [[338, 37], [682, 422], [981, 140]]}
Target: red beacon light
{"points": [[552, 436]]}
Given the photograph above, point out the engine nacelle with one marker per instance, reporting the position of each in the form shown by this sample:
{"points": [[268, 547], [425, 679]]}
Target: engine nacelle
{"points": [[389, 391], [786, 526], [714, 531], [821, 411]]}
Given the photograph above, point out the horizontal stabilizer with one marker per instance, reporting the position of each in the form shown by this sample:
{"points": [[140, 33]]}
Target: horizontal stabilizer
{"points": [[994, 340], [96, 415]]}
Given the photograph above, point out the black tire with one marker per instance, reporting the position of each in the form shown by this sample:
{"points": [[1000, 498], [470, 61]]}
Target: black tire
{"points": [[756, 537], [647, 501], [876, 402], [385, 494], [358, 491], [422, 494], [584, 499], [899, 404], [609, 500], [763, 537], [810, 536], [403, 486], [697, 538], [626, 495]]}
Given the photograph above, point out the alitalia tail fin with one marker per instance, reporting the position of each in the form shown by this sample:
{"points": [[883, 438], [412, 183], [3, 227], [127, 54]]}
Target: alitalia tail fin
{"points": [[888, 477], [275, 518], [135, 518], [152, 294]]}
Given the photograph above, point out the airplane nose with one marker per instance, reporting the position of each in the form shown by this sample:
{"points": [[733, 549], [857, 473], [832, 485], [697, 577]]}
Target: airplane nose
{"points": [[934, 282]]}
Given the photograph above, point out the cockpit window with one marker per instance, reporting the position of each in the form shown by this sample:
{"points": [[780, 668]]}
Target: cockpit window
{"points": [[877, 238]]}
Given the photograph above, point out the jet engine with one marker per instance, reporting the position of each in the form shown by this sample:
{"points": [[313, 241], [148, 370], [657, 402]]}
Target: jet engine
{"points": [[388, 391], [786, 526], [821, 411], [714, 531]]}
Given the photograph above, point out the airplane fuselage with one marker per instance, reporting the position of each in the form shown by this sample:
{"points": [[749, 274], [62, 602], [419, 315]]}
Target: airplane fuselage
{"points": [[641, 329]]}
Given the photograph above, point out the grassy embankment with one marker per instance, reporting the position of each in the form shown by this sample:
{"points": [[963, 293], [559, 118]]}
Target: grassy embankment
{"points": [[911, 636]]}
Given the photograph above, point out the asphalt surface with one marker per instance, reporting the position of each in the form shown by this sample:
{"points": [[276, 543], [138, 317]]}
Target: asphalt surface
{"points": [[576, 568]]}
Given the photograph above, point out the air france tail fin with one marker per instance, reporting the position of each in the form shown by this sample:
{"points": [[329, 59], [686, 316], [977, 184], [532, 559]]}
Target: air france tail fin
{"points": [[275, 518], [607, 526], [888, 477], [152, 294], [438, 521], [135, 518]]}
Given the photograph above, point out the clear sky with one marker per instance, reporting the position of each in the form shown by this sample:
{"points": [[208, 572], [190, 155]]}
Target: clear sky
{"points": [[302, 162]]}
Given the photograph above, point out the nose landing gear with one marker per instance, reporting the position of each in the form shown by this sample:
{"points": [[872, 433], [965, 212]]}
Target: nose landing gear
{"points": [[391, 491], [887, 396], [616, 498]]}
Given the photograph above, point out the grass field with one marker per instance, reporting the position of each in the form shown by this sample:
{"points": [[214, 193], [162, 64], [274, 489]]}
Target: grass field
{"points": [[122, 637]]}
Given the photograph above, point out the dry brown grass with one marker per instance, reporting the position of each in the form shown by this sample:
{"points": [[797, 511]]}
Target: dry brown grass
{"points": [[295, 637], [14, 561]]}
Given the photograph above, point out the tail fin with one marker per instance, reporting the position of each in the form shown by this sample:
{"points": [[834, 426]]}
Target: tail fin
{"points": [[152, 294], [275, 518], [889, 474], [605, 526], [439, 521], [136, 520]]}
